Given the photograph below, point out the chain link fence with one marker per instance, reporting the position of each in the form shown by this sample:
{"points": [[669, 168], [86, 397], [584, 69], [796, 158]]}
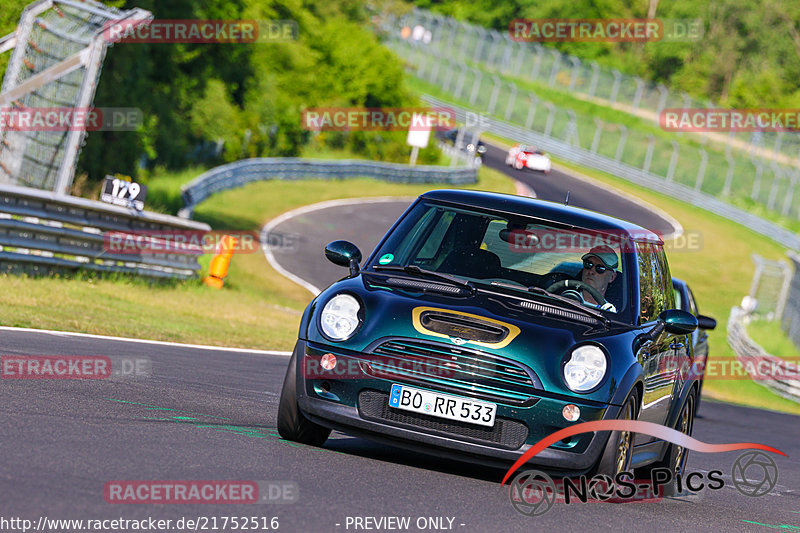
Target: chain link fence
{"points": [[469, 66], [769, 290], [790, 318], [467, 44], [58, 51]]}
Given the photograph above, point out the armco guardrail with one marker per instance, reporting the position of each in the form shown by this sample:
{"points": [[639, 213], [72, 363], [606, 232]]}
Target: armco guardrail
{"points": [[784, 373], [42, 232], [652, 181], [292, 168]]}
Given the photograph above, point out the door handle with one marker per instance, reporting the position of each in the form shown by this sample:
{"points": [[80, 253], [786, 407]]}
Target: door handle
{"points": [[677, 345]]}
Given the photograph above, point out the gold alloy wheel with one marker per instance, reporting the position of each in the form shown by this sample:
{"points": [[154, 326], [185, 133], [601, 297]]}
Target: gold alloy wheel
{"points": [[624, 443], [685, 424]]}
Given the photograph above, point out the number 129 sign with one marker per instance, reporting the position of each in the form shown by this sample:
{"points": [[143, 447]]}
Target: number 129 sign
{"points": [[123, 193]]}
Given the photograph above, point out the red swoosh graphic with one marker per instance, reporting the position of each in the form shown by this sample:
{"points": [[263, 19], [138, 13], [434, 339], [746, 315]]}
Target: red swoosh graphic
{"points": [[636, 426]]}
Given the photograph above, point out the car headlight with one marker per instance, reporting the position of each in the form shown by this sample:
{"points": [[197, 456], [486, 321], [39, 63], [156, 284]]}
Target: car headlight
{"points": [[585, 369], [339, 319]]}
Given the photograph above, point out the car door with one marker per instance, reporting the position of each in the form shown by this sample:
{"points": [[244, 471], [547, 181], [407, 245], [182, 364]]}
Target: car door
{"points": [[657, 357]]}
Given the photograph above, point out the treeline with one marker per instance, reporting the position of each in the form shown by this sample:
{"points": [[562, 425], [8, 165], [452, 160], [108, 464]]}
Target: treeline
{"points": [[749, 55], [215, 103]]}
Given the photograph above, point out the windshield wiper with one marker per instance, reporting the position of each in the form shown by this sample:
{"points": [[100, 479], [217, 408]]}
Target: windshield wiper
{"points": [[414, 269], [563, 299]]}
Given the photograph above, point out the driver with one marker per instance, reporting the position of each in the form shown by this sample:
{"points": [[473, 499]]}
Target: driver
{"points": [[599, 271]]}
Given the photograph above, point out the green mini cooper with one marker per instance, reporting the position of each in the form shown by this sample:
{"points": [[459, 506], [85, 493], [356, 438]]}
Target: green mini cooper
{"points": [[485, 322]]}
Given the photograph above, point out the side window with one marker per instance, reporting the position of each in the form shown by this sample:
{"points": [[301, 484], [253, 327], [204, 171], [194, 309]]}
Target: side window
{"points": [[678, 301], [669, 293], [651, 283], [692, 303]]}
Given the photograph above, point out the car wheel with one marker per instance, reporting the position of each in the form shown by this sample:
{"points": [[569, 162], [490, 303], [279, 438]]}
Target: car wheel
{"points": [[292, 425], [517, 165], [676, 456], [618, 452]]}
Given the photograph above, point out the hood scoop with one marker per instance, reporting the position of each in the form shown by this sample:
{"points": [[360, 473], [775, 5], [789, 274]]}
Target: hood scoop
{"points": [[463, 327]]}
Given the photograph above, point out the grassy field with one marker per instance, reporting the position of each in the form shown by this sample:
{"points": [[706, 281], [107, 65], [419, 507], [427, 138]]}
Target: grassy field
{"points": [[770, 336], [257, 308]]}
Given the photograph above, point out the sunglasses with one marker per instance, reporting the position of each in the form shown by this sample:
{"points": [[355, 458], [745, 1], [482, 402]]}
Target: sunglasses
{"points": [[599, 268]]}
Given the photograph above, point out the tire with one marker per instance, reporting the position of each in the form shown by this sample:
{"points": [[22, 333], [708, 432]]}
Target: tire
{"points": [[676, 456], [618, 453], [292, 425]]}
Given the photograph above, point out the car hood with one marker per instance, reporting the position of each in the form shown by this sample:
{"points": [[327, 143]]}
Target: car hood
{"points": [[537, 340]]}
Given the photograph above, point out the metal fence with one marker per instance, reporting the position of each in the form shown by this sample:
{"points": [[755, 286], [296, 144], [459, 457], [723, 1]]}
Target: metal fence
{"points": [[734, 173], [561, 147], [790, 318], [42, 233], [58, 51], [778, 375], [247, 171], [466, 45], [770, 288]]}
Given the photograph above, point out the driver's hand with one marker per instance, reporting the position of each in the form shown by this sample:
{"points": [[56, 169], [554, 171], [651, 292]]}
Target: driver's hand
{"points": [[608, 306]]}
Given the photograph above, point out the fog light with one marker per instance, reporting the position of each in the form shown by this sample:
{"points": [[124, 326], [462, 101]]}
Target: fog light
{"points": [[571, 412], [328, 361]]}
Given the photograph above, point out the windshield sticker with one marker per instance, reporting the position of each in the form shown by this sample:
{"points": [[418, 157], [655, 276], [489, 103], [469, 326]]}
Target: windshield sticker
{"points": [[386, 259]]}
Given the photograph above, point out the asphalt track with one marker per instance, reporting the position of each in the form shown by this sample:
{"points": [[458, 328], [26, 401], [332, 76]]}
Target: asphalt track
{"points": [[210, 415]]}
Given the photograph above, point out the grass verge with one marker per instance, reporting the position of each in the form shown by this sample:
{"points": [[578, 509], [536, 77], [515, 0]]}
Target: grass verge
{"points": [[257, 308], [769, 335]]}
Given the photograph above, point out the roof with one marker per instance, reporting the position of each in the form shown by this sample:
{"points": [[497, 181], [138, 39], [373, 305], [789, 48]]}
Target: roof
{"points": [[534, 207]]}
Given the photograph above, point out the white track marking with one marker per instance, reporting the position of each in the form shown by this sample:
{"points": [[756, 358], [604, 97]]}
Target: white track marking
{"points": [[146, 341]]}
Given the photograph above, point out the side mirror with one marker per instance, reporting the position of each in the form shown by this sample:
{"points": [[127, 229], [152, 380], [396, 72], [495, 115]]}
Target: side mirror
{"points": [[678, 322], [706, 322], [344, 254]]}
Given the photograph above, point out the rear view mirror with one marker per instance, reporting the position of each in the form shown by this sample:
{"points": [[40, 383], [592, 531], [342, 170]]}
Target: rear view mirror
{"points": [[344, 253], [678, 322]]}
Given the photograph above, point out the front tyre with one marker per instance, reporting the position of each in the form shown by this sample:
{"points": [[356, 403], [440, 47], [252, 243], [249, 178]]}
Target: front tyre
{"points": [[292, 425], [676, 456], [618, 452]]}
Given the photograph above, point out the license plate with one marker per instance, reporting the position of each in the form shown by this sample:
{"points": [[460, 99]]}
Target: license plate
{"points": [[442, 405]]}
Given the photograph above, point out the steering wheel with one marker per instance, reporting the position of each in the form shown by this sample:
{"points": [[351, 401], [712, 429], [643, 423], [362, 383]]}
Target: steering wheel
{"points": [[575, 286]]}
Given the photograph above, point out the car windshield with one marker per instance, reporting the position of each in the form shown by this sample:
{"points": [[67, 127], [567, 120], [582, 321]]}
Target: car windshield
{"points": [[511, 252]]}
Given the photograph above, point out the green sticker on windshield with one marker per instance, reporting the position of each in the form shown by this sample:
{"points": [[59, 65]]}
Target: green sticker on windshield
{"points": [[386, 258]]}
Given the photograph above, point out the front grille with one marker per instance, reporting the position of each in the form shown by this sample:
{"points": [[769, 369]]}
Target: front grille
{"points": [[506, 433], [454, 369], [464, 327]]}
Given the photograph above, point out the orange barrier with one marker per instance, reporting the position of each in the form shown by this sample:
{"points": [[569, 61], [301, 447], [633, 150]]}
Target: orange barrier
{"points": [[219, 264]]}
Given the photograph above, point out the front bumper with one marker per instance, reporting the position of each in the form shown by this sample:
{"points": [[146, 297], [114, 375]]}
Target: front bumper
{"points": [[357, 404]]}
